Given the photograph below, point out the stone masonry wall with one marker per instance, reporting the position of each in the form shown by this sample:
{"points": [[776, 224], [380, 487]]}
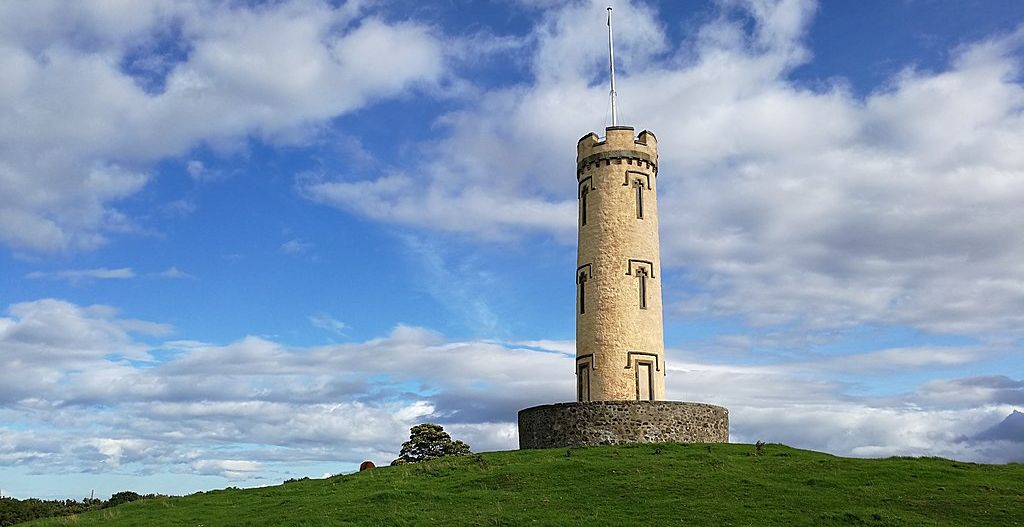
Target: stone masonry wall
{"points": [[615, 422]]}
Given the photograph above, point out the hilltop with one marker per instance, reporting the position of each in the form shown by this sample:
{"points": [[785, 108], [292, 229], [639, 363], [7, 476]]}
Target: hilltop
{"points": [[730, 484]]}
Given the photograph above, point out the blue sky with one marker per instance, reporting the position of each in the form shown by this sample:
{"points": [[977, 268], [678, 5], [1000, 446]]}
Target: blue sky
{"points": [[243, 242]]}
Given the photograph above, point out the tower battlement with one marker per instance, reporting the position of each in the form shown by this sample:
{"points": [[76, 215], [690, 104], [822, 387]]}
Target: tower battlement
{"points": [[619, 146]]}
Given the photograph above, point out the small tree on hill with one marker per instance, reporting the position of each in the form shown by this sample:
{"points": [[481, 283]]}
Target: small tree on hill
{"points": [[124, 496], [429, 441]]}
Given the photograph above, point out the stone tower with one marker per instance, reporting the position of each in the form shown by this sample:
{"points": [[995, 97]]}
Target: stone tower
{"points": [[620, 346], [620, 351]]}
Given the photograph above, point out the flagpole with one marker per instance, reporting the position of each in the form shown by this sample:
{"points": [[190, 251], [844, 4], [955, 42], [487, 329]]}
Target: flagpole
{"points": [[611, 68]]}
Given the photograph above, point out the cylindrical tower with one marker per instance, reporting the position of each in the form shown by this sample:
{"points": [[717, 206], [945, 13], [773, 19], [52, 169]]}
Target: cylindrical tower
{"points": [[620, 347], [620, 350]]}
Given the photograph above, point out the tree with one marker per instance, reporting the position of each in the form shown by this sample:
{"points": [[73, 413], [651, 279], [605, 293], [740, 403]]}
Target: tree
{"points": [[429, 441], [124, 496]]}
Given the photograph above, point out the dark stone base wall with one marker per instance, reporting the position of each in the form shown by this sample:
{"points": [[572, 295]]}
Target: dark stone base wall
{"points": [[613, 422]]}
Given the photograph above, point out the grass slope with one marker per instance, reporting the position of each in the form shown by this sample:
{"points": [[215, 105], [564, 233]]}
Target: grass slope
{"points": [[616, 485]]}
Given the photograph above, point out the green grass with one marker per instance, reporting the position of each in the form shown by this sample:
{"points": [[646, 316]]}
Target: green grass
{"points": [[618, 485]]}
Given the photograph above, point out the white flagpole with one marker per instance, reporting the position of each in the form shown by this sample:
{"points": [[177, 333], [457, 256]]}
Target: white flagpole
{"points": [[611, 68]]}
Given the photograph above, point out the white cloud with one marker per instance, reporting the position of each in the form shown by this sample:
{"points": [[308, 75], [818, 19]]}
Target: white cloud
{"points": [[228, 468], [972, 391], [304, 402], [862, 216], [274, 406], [81, 275], [798, 407], [60, 334], [178, 208], [295, 246], [300, 404], [199, 172], [567, 347], [81, 130], [117, 450], [328, 323], [785, 205], [174, 273], [56, 353], [902, 359], [500, 170], [866, 431]]}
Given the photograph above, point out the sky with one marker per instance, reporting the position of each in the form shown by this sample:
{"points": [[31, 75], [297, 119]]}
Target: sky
{"points": [[249, 241]]}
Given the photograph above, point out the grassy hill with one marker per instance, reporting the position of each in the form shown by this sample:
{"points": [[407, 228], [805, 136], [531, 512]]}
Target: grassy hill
{"points": [[620, 485]]}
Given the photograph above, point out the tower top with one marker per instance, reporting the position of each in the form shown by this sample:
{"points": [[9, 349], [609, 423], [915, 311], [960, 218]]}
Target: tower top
{"points": [[611, 69], [619, 142]]}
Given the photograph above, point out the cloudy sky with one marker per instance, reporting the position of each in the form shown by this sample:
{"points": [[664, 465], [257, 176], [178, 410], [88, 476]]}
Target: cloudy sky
{"points": [[247, 241]]}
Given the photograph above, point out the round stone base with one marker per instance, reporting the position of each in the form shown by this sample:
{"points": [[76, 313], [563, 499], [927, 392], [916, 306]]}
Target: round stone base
{"points": [[614, 422]]}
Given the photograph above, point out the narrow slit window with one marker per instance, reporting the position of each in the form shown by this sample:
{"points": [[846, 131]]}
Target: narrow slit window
{"points": [[638, 186], [641, 275], [583, 205], [582, 281]]}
